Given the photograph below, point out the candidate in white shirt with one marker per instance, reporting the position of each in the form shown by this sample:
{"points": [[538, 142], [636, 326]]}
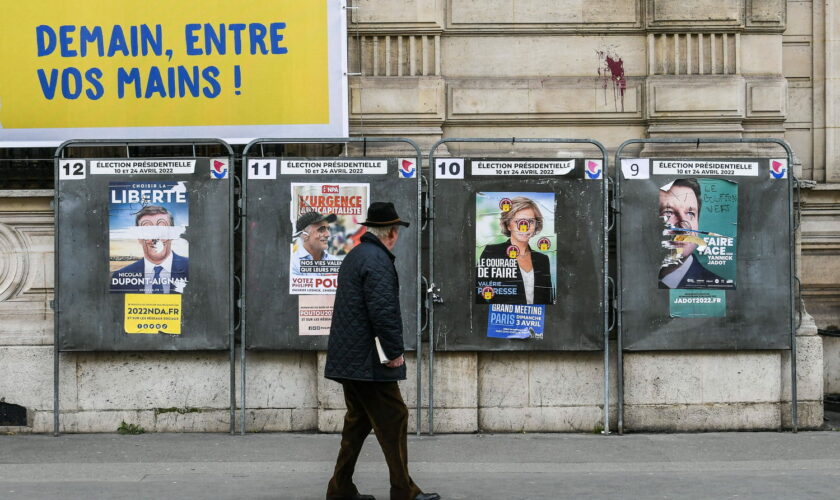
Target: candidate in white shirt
{"points": [[312, 231]]}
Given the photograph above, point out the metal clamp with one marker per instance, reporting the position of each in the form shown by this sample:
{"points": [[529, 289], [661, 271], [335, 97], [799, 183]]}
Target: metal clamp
{"points": [[797, 204], [613, 212], [425, 202], [425, 304], [434, 291], [614, 297]]}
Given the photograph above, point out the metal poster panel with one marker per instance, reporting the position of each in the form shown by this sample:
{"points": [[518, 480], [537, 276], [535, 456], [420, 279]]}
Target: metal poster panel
{"points": [[303, 217], [518, 254], [705, 252], [144, 254], [167, 70]]}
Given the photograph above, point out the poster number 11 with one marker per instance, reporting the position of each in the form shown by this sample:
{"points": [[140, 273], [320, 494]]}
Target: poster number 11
{"points": [[449, 168], [262, 169]]}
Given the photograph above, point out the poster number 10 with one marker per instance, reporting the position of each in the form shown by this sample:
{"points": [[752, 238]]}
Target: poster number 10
{"points": [[71, 170], [262, 169], [449, 168]]}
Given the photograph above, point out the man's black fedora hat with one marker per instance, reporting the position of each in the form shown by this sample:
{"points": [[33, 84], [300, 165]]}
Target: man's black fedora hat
{"points": [[382, 213]]}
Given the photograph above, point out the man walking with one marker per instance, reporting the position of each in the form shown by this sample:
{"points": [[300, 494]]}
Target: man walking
{"points": [[367, 310]]}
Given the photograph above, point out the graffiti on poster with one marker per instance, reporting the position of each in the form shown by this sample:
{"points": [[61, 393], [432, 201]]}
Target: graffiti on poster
{"points": [[515, 321], [515, 248], [699, 237], [326, 225], [146, 224]]}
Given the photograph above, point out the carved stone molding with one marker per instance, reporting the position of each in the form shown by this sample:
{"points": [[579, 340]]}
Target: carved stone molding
{"points": [[539, 15], [372, 15], [750, 15], [767, 98], [26, 277], [684, 13], [416, 101], [543, 100], [395, 54], [683, 97], [14, 262], [694, 53], [820, 268], [767, 14]]}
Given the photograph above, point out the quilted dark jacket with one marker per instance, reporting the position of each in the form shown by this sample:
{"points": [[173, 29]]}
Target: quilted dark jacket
{"points": [[367, 305]]}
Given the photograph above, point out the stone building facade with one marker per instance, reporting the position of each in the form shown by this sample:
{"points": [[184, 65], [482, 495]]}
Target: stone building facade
{"points": [[429, 69]]}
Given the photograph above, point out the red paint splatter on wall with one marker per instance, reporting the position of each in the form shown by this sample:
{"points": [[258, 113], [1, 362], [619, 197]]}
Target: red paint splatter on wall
{"points": [[611, 69]]}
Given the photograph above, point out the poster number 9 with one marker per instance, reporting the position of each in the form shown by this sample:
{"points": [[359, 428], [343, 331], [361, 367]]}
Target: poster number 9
{"points": [[70, 170], [262, 169], [635, 168], [449, 168]]}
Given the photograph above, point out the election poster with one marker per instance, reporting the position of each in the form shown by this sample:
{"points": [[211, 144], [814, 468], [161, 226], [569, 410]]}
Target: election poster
{"points": [[697, 303], [326, 223], [515, 248], [513, 321], [146, 224], [699, 235], [315, 314], [139, 69], [153, 314]]}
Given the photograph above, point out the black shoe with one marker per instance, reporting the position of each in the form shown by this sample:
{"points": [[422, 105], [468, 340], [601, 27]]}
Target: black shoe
{"points": [[427, 496], [357, 496]]}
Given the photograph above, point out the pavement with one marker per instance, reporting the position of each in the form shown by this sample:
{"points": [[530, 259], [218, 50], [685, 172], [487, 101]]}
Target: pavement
{"points": [[462, 466]]}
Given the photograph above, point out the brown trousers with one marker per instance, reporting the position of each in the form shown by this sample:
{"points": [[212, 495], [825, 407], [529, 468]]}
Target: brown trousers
{"points": [[378, 406]]}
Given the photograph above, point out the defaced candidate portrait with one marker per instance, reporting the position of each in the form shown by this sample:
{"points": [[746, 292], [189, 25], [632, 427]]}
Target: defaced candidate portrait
{"points": [[161, 270], [515, 271], [679, 209]]}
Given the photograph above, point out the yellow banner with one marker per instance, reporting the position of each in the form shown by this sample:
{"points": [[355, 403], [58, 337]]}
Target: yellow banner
{"points": [[153, 313], [127, 63]]}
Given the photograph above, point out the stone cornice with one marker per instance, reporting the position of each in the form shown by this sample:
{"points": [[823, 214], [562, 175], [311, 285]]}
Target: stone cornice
{"points": [[26, 193], [504, 30]]}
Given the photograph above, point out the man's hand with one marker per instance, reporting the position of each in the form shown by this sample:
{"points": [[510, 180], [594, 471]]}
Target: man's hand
{"points": [[396, 363]]}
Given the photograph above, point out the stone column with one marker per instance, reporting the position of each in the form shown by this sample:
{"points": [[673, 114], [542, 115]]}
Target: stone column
{"points": [[832, 91]]}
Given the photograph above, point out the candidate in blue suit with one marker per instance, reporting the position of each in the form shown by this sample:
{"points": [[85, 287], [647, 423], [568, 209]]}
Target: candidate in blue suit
{"points": [[160, 270]]}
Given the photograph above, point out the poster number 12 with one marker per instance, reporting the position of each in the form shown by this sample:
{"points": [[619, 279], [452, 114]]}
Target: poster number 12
{"points": [[262, 169], [449, 168], [71, 170]]}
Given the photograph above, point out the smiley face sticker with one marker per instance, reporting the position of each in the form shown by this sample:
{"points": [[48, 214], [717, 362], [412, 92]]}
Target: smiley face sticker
{"points": [[487, 292], [523, 225], [512, 251], [544, 244], [505, 204]]}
